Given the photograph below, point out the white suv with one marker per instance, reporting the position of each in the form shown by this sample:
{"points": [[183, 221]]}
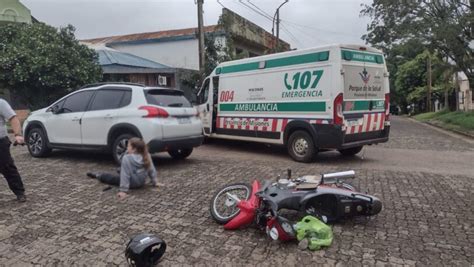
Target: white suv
{"points": [[105, 116]]}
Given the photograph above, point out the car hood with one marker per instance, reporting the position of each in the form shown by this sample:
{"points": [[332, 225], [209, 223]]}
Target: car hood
{"points": [[43, 110]]}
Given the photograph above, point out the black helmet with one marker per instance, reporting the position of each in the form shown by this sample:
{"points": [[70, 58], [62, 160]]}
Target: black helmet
{"points": [[144, 250]]}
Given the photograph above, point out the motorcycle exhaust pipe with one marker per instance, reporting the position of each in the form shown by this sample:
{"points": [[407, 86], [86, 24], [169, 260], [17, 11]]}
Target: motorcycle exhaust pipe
{"points": [[338, 175]]}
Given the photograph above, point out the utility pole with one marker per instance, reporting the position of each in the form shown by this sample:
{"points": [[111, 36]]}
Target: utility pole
{"points": [[446, 89], [428, 98], [278, 30], [277, 15], [201, 36]]}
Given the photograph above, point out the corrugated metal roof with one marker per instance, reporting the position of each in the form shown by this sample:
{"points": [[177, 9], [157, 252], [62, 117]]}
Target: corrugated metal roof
{"points": [[112, 57], [149, 35]]}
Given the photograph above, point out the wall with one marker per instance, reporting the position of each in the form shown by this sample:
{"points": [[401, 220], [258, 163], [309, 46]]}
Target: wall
{"points": [[14, 11], [465, 93], [176, 54]]}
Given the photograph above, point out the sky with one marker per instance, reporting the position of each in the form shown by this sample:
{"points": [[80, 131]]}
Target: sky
{"points": [[304, 23]]}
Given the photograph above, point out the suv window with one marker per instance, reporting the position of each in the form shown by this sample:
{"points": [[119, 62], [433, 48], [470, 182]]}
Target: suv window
{"points": [[167, 98], [107, 99], [77, 102]]}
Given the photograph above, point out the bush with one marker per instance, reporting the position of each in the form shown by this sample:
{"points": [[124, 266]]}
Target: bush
{"points": [[40, 63]]}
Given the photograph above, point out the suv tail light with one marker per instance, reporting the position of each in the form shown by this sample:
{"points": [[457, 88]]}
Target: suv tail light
{"points": [[154, 112], [338, 116], [387, 107]]}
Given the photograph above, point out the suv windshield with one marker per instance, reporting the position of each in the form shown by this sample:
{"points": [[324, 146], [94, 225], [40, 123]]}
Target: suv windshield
{"points": [[167, 98]]}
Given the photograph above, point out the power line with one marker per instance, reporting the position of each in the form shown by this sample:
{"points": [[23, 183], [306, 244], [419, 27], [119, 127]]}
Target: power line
{"points": [[291, 35], [255, 10], [311, 35], [263, 11], [317, 29], [219, 2]]}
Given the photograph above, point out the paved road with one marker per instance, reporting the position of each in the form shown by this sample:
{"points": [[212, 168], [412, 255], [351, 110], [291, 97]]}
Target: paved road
{"points": [[423, 176]]}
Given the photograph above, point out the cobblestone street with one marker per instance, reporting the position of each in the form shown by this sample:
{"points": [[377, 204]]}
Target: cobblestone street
{"points": [[423, 177]]}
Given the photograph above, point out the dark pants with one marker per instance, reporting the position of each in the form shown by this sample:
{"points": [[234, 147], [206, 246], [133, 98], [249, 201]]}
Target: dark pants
{"points": [[8, 168], [108, 178]]}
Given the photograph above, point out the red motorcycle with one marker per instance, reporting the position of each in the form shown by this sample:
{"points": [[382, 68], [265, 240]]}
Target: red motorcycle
{"points": [[327, 197]]}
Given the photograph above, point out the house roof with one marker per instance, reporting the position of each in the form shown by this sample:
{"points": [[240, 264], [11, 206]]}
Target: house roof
{"points": [[140, 37], [113, 57]]}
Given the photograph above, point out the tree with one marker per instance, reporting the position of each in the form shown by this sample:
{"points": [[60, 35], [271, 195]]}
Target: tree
{"points": [[444, 26], [215, 53], [40, 63], [397, 56], [411, 79]]}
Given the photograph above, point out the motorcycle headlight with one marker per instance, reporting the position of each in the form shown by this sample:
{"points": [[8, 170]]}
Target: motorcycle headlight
{"points": [[273, 233], [287, 227]]}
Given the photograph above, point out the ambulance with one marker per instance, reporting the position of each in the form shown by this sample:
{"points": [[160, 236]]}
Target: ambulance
{"points": [[332, 97]]}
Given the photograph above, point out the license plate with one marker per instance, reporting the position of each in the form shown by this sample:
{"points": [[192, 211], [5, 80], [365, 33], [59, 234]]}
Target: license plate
{"points": [[184, 120], [354, 123]]}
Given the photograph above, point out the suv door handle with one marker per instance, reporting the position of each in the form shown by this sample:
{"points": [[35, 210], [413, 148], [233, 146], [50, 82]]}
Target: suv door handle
{"points": [[76, 119]]}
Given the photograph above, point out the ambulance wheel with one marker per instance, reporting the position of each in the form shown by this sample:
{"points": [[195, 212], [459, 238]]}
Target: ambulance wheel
{"points": [[180, 153], [301, 147], [351, 151]]}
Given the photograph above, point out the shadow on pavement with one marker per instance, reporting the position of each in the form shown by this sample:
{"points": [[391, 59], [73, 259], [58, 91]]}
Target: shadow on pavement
{"points": [[106, 158], [259, 149]]}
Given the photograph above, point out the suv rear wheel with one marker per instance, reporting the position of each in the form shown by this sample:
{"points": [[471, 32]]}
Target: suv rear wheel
{"points": [[119, 147], [180, 153], [301, 147]]}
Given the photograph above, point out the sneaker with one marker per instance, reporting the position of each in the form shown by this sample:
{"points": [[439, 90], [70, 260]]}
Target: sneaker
{"points": [[21, 198], [91, 175]]}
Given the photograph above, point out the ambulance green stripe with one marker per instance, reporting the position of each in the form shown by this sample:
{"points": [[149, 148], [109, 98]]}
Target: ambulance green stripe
{"points": [[275, 107], [361, 56], [364, 105], [275, 63]]}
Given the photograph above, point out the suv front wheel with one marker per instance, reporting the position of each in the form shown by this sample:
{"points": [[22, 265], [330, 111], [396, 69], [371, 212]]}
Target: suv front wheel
{"points": [[180, 153], [37, 144]]}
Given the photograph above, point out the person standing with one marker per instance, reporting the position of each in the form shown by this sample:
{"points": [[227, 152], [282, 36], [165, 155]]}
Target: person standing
{"points": [[7, 165]]}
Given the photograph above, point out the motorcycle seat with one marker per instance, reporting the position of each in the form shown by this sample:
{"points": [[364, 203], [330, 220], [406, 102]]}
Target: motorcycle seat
{"points": [[310, 182], [306, 186]]}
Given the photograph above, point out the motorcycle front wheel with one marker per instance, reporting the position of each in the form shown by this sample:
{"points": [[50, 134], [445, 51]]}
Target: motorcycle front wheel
{"points": [[224, 207]]}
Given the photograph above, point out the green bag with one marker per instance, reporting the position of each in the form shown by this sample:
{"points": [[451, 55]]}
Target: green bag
{"points": [[314, 232]]}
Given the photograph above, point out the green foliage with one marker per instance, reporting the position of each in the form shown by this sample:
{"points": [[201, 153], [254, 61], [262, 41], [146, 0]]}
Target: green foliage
{"points": [[215, 53], [454, 120], [411, 78], [40, 63], [442, 26]]}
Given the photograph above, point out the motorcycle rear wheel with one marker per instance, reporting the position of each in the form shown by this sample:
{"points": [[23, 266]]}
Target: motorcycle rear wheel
{"points": [[222, 208]]}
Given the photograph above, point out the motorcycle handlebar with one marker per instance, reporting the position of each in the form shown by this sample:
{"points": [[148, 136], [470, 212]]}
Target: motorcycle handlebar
{"points": [[339, 175]]}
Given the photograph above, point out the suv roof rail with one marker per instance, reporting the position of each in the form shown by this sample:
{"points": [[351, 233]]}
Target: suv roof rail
{"points": [[105, 83]]}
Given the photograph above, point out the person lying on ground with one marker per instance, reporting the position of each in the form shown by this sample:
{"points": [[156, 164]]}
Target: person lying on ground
{"points": [[136, 165]]}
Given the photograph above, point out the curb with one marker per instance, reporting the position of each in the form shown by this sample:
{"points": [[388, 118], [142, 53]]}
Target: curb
{"points": [[452, 130], [464, 134]]}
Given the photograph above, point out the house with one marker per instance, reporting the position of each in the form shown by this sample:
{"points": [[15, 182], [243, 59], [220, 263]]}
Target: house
{"points": [[119, 66], [179, 48], [14, 11], [465, 94]]}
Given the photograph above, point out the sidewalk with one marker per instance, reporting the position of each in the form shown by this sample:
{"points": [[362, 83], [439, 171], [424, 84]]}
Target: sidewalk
{"points": [[467, 136]]}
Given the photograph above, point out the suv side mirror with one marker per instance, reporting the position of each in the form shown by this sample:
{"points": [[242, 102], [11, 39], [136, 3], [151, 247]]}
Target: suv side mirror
{"points": [[56, 110]]}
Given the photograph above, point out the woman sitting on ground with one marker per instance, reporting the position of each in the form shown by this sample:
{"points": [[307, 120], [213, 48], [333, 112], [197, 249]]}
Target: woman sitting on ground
{"points": [[135, 167]]}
